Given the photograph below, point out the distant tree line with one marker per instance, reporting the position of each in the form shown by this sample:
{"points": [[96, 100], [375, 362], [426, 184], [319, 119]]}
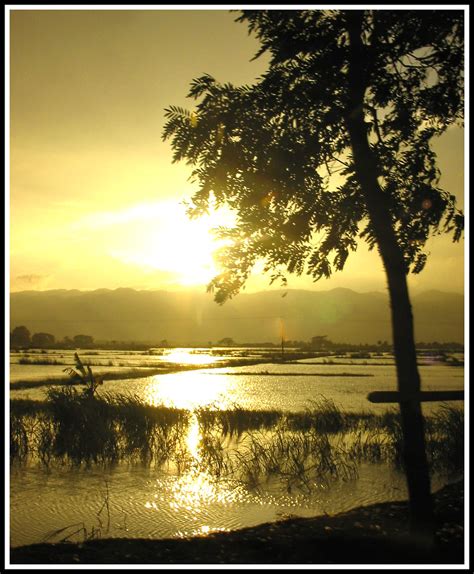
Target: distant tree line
{"points": [[21, 338], [322, 343]]}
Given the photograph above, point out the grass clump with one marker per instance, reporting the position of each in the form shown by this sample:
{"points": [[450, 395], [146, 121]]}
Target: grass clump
{"points": [[236, 421], [446, 439], [148, 432], [322, 443], [323, 415], [379, 438], [82, 427], [40, 361], [299, 460], [19, 443], [79, 428], [92, 429]]}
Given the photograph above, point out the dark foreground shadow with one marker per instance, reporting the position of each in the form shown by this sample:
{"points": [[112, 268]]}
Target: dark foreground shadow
{"points": [[376, 534]]}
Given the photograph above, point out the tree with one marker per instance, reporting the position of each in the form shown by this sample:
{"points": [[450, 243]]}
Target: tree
{"points": [[67, 342], [320, 342], [83, 374], [329, 146], [83, 340], [20, 337], [42, 340]]}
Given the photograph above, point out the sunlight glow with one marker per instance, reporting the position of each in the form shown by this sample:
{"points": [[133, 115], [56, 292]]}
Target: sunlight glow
{"points": [[161, 237]]}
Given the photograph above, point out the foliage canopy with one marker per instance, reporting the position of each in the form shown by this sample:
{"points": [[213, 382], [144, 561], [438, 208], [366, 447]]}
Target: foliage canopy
{"points": [[278, 151]]}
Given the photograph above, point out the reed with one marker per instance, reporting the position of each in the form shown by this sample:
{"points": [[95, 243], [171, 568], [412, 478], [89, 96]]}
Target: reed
{"points": [[83, 427], [299, 460], [77, 428], [321, 414], [236, 421], [370, 445], [446, 439], [19, 441], [316, 446], [214, 458], [149, 432]]}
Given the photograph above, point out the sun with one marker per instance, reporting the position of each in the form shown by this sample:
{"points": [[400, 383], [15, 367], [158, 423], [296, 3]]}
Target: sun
{"points": [[164, 238], [191, 251]]}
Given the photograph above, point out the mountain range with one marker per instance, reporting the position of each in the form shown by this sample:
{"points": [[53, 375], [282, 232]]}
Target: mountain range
{"points": [[187, 318]]}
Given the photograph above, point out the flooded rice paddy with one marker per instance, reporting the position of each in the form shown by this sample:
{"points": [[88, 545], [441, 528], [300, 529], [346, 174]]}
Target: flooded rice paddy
{"points": [[154, 501]]}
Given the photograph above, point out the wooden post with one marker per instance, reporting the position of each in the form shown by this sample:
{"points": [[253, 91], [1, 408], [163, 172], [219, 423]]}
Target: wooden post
{"points": [[282, 330], [417, 397], [422, 396]]}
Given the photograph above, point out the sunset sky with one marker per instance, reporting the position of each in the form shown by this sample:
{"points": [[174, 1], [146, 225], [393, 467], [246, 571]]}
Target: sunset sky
{"points": [[94, 197]]}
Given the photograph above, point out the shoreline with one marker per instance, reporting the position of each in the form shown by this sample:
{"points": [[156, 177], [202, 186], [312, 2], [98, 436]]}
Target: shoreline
{"points": [[374, 534]]}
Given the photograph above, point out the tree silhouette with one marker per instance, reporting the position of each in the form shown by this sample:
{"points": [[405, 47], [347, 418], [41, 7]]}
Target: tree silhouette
{"points": [[42, 340], [83, 340], [332, 145], [20, 337], [226, 341]]}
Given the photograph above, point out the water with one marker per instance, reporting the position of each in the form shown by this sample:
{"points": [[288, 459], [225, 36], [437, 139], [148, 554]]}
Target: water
{"points": [[147, 503], [255, 387], [107, 361], [156, 503]]}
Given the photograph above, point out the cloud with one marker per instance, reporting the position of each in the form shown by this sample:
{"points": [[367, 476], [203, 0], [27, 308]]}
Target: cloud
{"points": [[156, 211]]}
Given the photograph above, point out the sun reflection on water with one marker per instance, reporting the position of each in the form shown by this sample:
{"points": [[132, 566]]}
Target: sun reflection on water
{"points": [[193, 438], [197, 486], [188, 390], [195, 490], [183, 356]]}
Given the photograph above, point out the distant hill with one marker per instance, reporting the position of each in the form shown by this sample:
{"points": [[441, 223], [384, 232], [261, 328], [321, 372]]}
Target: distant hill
{"points": [[191, 317]]}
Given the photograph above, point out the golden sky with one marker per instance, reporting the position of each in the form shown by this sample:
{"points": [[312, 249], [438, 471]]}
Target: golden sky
{"points": [[94, 197]]}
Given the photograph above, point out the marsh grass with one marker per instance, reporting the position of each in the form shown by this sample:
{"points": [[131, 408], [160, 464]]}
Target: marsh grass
{"points": [[73, 427], [445, 432], [370, 445], [214, 456], [107, 375], [237, 420], [19, 443], [379, 438], [83, 428], [322, 415], [149, 432], [39, 361], [299, 450], [320, 444], [298, 460]]}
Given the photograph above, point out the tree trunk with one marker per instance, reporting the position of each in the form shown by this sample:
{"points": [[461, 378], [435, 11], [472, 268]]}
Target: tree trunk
{"points": [[414, 451]]}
